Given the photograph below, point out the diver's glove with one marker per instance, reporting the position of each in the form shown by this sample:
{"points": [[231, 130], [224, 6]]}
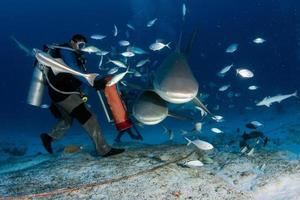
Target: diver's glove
{"points": [[99, 84]]}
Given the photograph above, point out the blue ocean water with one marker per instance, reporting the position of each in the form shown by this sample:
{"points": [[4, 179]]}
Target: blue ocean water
{"points": [[275, 63]]}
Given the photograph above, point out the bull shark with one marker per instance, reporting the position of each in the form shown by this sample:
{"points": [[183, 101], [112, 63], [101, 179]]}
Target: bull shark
{"points": [[268, 101], [58, 66], [151, 109], [174, 80], [22, 47]]}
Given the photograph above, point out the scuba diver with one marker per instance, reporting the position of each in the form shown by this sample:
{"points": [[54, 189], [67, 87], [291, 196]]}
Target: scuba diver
{"points": [[68, 97], [253, 135]]}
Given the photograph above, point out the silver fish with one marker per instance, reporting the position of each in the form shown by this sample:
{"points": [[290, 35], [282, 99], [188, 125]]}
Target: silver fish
{"points": [[136, 50], [253, 87], [259, 40], [224, 88], [142, 62], [156, 46], [130, 26], [194, 164], [200, 144], [117, 78], [100, 62], [90, 49], [124, 43], [98, 36], [128, 54], [216, 130], [232, 48], [244, 73], [115, 31], [151, 22], [225, 70], [113, 70], [118, 63], [183, 11]]}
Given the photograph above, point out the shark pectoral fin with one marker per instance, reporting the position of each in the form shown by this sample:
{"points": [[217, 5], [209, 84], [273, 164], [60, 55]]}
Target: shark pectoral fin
{"points": [[165, 129], [189, 141], [201, 105], [179, 116]]}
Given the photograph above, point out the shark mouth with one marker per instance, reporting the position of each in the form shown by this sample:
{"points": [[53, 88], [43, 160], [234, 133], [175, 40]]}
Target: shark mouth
{"points": [[176, 97], [151, 121], [177, 91]]}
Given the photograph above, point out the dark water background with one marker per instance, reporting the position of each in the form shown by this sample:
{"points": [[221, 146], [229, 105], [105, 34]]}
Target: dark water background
{"points": [[34, 23]]}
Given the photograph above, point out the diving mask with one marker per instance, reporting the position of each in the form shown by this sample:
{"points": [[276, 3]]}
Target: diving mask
{"points": [[80, 44]]}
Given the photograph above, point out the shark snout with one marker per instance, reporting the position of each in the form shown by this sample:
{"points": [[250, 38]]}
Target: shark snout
{"points": [[181, 92]]}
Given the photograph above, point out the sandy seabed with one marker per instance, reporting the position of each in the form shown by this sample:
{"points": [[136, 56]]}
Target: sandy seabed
{"points": [[153, 172]]}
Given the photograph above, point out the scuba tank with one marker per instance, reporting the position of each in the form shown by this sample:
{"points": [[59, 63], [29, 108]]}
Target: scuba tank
{"points": [[39, 79], [37, 86]]}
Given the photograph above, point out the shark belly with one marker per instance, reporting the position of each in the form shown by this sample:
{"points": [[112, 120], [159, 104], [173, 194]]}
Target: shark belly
{"points": [[174, 81], [149, 108]]}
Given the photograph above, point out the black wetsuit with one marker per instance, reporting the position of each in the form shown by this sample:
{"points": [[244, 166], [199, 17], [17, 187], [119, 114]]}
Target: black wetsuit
{"points": [[65, 81]]}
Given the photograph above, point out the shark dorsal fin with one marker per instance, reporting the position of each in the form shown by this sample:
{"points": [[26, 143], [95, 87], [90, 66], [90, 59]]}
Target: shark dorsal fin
{"points": [[179, 43], [191, 42]]}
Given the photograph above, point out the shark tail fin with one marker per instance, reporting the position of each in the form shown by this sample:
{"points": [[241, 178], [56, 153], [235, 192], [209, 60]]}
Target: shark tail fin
{"points": [[191, 42], [13, 38], [165, 129], [91, 78], [189, 141], [296, 94]]}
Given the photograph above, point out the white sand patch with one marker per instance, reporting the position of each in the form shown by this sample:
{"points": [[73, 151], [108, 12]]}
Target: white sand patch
{"points": [[281, 189]]}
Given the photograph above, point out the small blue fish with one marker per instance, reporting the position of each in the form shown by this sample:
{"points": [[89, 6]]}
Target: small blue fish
{"points": [[136, 50], [232, 48], [151, 22]]}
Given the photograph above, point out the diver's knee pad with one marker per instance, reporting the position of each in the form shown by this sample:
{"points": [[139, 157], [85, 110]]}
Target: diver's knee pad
{"points": [[81, 113]]}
